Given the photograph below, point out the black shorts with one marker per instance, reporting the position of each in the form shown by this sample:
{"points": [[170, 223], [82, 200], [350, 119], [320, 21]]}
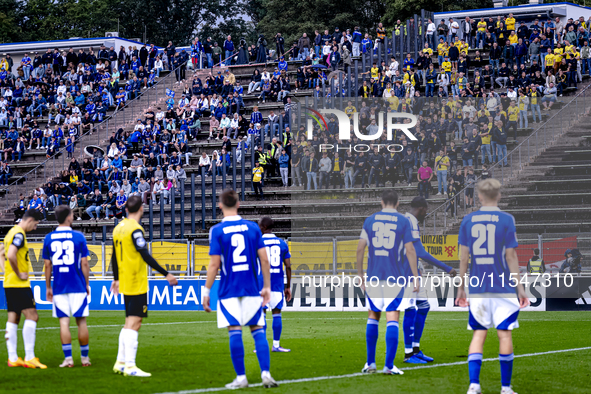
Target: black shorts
{"points": [[136, 305], [470, 193], [19, 299]]}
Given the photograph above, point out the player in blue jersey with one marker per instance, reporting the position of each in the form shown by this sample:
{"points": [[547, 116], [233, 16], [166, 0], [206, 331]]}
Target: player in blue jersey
{"points": [[393, 261], [488, 236], [414, 318], [66, 259], [278, 255], [234, 245]]}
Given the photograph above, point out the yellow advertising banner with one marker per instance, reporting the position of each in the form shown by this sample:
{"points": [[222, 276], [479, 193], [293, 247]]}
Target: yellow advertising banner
{"points": [[442, 247]]}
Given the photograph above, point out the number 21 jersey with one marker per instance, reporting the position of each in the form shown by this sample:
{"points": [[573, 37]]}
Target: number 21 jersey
{"points": [[488, 233]]}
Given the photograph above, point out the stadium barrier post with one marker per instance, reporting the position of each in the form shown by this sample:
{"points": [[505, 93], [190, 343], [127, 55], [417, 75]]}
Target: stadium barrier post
{"points": [[445, 220], [193, 202], [203, 198], [252, 153], [380, 44], [161, 217], [224, 172], [172, 213], [213, 192], [415, 38], [151, 212], [349, 82], [233, 168], [362, 66], [188, 257], [341, 89], [407, 47], [393, 45], [182, 186], [356, 80], [334, 256], [242, 170], [401, 48]]}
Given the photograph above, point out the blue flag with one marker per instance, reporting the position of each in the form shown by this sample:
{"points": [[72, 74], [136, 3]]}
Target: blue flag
{"points": [[169, 93]]}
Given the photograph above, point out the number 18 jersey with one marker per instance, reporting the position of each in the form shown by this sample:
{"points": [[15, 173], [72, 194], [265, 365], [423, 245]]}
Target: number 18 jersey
{"points": [[237, 242], [65, 249], [386, 232], [488, 233], [277, 252]]}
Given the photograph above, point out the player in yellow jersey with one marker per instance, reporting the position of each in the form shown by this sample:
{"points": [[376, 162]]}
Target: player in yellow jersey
{"points": [[128, 262], [19, 296]]}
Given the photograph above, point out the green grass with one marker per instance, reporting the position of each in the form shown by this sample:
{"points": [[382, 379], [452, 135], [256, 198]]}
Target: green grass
{"points": [[196, 355]]}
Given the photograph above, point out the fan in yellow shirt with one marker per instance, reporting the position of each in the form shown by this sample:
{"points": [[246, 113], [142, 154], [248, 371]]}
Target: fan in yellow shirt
{"points": [[446, 65], [550, 60], [513, 39], [558, 52], [510, 22], [513, 111], [443, 49]]}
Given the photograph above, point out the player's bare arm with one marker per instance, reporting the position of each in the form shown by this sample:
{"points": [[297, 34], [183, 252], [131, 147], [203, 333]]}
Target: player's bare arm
{"points": [[360, 254], [266, 291], [86, 272], [411, 254], [464, 258], [513, 264], [48, 273], [287, 263], [212, 271]]}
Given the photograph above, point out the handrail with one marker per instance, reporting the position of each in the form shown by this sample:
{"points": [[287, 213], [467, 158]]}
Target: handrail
{"points": [[516, 149]]}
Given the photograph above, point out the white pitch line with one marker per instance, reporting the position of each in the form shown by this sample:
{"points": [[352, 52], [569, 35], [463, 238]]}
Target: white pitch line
{"points": [[353, 375], [288, 319]]}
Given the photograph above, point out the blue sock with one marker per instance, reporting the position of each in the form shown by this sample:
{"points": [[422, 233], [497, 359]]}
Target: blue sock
{"points": [[262, 347], [423, 309], [277, 327], [506, 369], [237, 351], [84, 350], [408, 326], [371, 339], [474, 365], [67, 348], [391, 343]]}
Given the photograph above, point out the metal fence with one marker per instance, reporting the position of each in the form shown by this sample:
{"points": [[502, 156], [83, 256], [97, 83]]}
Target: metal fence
{"points": [[309, 256]]}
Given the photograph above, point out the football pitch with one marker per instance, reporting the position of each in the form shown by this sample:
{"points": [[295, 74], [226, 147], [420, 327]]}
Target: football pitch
{"points": [[186, 352]]}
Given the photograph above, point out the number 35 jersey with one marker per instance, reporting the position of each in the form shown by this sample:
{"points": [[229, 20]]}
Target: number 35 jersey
{"points": [[386, 232], [65, 249], [237, 242], [488, 233]]}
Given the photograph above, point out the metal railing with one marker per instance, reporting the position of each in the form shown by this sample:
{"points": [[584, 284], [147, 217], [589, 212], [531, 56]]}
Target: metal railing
{"points": [[517, 159], [310, 256]]}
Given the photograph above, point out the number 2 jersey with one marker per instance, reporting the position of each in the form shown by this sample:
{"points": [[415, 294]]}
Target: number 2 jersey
{"points": [[488, 233], [237, 242], [65, 249], [386, 232]]}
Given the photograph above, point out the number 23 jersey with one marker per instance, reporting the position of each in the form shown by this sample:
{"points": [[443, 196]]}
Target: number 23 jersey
{"points": [[488, 233], [237, 242], [65, 249]]}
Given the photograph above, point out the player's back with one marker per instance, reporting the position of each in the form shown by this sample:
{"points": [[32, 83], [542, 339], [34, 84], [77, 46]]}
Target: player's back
{"points": [[386, 232], [65, 249], [277, 252], [16, 235], [133, 275], [488, 233], [237, 241]]}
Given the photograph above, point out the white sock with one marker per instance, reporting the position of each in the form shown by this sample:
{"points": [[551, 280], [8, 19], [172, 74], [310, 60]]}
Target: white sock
{"points": [[121, 351], [29, 329], [265, 374], [240, 378], [11, 340], [130, 341], [275, 343]]}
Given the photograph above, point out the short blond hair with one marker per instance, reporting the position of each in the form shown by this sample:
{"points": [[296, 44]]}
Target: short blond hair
{"points": [[489, 189]]}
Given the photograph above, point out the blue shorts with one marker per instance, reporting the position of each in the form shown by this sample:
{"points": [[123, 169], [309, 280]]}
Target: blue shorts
{"points": [[468, 162]]}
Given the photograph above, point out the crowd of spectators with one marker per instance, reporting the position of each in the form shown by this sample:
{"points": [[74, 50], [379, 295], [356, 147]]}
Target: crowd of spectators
{"points": [[473, 84]]}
